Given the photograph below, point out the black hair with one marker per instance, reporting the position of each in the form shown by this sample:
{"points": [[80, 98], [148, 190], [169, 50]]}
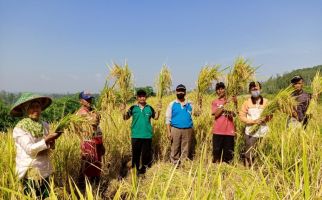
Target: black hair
{"points": [[220, 85], [296, 79], [141, 92], [254, 84]]}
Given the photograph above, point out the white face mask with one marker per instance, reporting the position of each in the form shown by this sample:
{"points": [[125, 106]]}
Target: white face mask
{"points": [[255, 94]]}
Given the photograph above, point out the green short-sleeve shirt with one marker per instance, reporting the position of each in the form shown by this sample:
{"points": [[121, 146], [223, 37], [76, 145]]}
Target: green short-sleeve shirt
{"points": [[141, 121]]}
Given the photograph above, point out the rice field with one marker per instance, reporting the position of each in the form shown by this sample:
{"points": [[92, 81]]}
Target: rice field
{"points": [[288, 165]]}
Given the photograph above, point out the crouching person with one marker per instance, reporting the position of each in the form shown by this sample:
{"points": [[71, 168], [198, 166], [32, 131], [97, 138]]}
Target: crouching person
{"points": [[33, 142]]}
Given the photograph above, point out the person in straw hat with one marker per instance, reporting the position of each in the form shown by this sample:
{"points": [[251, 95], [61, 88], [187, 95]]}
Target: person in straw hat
{"points": [[33, 141]]}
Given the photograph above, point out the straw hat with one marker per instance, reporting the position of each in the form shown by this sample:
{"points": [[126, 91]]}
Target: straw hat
{"points": [[18, 107]]}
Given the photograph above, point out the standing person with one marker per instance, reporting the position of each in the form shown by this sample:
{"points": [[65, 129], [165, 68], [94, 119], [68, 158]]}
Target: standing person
{"points": [[33, 142], [250, 114], [92, 148], [141, 131], [180, 126], [303, 99], [223, 140]]}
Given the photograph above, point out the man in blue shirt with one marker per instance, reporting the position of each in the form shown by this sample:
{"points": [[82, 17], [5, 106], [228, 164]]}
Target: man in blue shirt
{"points": [[180, 126]]}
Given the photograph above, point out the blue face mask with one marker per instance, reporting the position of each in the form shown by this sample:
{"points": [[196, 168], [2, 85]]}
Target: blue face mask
{"points": [[255, 94]]}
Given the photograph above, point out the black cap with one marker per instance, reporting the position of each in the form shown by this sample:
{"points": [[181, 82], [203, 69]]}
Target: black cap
{"points": [[181, 88], [296, 79], [141, 92], [220, 85]]}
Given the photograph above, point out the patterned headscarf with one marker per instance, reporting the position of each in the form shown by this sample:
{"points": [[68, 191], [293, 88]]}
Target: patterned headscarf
{"points": [[35, 128]]}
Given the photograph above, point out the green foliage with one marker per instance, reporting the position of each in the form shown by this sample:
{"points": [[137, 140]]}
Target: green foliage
{"points": [[6, 120], [274, 84], [60, 107]]}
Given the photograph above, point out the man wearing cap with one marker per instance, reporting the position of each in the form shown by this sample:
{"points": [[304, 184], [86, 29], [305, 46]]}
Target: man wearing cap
{"points": [[303, 99], [92, 147], [33, 141], [180, 126], [141, 131]]}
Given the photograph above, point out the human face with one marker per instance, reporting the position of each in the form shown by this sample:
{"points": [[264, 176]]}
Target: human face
{"points": [[141, 99], [34, 110], [255, 91], [221, 92], [180, 95], [298, 86], [86, 103]]}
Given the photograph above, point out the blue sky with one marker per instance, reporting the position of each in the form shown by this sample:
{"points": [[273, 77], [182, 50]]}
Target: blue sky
{"points": [[64, 46]]}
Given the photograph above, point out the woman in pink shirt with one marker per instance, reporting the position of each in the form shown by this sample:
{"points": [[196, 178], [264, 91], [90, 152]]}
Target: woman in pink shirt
{"points": [[223, 130]]}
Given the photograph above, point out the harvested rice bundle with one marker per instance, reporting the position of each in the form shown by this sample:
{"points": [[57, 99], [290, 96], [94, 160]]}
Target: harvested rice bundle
{"points": [[240, 75], [283, 101], [124, 80], [164, 82], [316, 91], [65, 121], [206, 76]]}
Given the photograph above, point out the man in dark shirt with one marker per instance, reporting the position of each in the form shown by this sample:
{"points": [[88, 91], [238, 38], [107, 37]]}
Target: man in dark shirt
{"points": [[303, 100]]}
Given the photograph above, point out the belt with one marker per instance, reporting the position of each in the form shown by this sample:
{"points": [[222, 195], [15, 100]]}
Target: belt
{"points": [[182, 128]]}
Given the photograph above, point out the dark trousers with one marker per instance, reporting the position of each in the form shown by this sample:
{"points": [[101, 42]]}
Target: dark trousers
{"points": [[223, 147], [141, 147]]}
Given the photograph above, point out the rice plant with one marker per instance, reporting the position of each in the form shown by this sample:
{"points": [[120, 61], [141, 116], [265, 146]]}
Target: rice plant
{"points": [[288, 163], [163, 82], [239, 76], [207, 75], [124, 81]]}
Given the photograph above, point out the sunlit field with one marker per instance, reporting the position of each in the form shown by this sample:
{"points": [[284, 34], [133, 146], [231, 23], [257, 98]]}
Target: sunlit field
{"points": [[288, 163]]}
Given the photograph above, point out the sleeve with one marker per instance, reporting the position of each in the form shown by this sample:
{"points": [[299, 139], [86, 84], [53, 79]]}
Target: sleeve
{"points": [[191, 105], [24, 140], [130, 111], [168, 114], [153, 112], [243, 113]]}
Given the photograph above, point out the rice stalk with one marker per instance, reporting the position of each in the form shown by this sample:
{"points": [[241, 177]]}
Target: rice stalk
{"points": [[107, 99], [283, 101], [65, 121], [124, 81], [164, 82], [206, 76], [316, 86], [239, 76]]}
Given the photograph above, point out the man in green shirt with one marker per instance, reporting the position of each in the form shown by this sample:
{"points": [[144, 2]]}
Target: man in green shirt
{"points": [[141, 130]]}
